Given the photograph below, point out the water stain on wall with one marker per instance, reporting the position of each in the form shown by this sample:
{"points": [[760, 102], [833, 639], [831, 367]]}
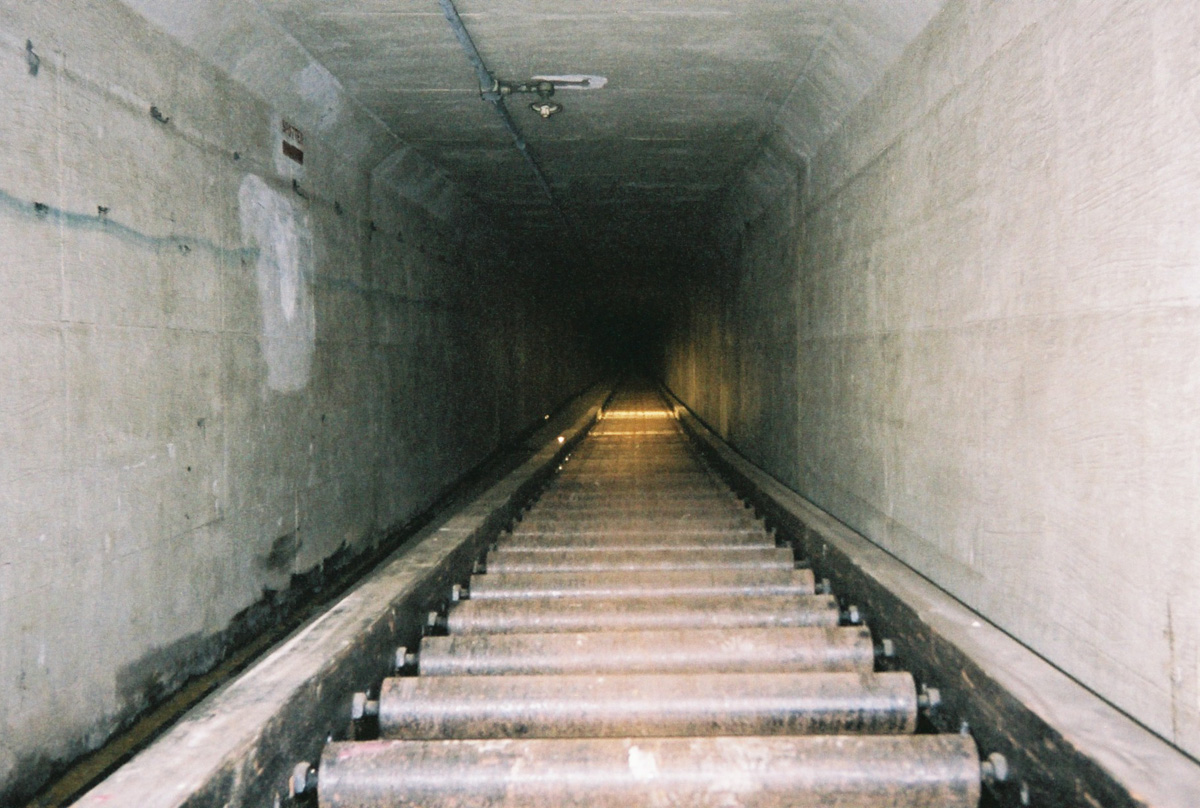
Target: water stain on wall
{"points": [[282, 553], [284, 268]]}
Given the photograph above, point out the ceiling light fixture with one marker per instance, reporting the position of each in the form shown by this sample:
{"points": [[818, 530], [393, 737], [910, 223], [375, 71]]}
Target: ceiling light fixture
{"points": [[491, 90], [544, 106], [544, 88]]}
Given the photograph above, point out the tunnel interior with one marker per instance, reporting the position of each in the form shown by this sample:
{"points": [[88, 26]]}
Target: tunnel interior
{"points": [[277, 275]]}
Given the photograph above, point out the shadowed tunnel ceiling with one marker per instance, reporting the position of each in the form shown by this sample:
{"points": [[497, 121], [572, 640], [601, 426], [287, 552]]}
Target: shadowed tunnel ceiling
{"points": [[640, 167]]}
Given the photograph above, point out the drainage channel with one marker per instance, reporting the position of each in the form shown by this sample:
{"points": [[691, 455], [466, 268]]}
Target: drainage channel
{"points": [[639, 637]]}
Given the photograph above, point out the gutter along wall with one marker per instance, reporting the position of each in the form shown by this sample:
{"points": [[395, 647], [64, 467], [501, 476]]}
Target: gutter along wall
{"points": [[219, 367], [971, 321]]}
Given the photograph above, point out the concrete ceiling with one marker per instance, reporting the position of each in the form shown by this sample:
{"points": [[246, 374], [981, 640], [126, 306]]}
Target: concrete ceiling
{"points": [[694, 86]]}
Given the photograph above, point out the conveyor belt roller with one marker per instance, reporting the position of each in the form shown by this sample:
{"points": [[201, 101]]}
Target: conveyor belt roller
{"points": [[639, 638]]}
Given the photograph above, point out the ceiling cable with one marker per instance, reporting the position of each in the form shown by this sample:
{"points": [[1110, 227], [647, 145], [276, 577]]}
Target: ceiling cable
{"points": [[489, 90]]}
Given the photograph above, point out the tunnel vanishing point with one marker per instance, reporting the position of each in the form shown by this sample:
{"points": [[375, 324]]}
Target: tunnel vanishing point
{"points": [[303, 304]]}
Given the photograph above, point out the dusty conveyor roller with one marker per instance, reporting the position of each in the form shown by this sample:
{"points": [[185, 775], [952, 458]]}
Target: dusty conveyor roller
{"points": [[699, 523], [459, 707], [606, 542], [637, 559], [929, 771], [641, 584], [640, 614], [743, 650]]}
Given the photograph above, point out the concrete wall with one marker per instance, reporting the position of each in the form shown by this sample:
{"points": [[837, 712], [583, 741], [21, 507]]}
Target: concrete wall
{"points": [[733, 351], [996, 297], [218, 367]]}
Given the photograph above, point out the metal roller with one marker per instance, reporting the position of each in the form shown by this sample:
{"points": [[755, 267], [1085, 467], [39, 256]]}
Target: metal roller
{"points": [[712, 503], [917, 771], [638, 507], [645, 705], [663, 510], [635, 492], [720, 503], [647, 520], [663, 479], [632, 585], [575, 474], [665, 467], [640, 614], [592, 470], [588, 473], [666, 452], [649, 523], [646, 497], [588, 465], [626, 534], [625, 652], [618, 485], [606, 542], [632, 560]]}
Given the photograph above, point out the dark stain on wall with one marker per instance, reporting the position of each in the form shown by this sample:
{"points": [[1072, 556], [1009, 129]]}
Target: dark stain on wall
{"points": [[282, 553], [156, 675]]}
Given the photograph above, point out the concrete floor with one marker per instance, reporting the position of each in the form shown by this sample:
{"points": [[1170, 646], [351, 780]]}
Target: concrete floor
{"points": [[274, 277]]}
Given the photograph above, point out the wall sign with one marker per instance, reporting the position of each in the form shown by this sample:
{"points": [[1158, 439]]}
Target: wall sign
{"points": [[293, 141]]}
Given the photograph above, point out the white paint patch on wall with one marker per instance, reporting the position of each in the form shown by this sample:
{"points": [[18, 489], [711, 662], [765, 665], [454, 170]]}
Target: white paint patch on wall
{"points": [[284, 268]]}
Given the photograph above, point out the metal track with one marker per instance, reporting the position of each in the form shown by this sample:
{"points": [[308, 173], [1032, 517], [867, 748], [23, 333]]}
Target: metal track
{"points": [[638, 639]]}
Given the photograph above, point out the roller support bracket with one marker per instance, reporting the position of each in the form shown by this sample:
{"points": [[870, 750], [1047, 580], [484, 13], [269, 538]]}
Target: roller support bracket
{"points": [[303, 780], [404, 659], [994, 769], [363, 707], [929, 699]]}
